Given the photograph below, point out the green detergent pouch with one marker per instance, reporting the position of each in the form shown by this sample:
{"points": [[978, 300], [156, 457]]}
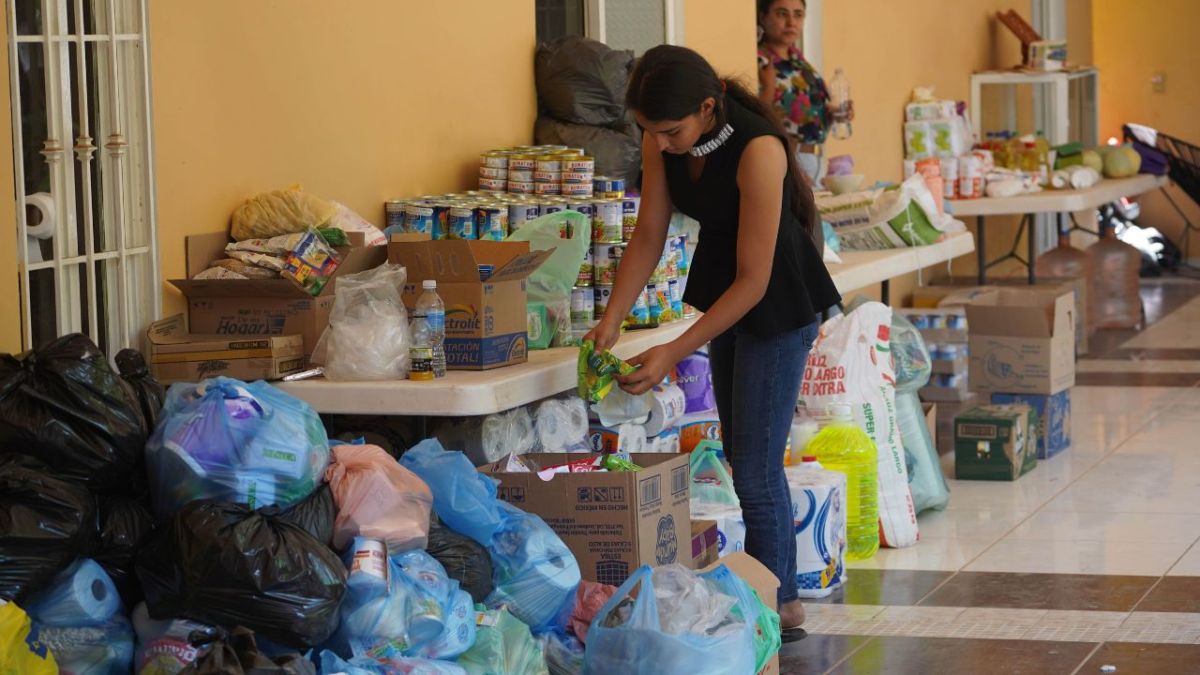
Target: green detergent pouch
{"points": [[598, 372]]}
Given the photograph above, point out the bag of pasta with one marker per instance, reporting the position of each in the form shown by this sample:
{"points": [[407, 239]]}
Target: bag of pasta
{"points": [[268, 214]]}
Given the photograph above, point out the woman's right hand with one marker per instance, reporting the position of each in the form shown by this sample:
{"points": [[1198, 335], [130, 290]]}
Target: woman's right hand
{"points": [[605, 334]]}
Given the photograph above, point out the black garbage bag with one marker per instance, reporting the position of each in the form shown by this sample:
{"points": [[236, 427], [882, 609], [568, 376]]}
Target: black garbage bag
{"points": [[150, 394], [45, 522], [64, 405], [237, 653], [464, 559], [123, 525], [582, 81], [617, 151], [314, 514], [223, 564]]}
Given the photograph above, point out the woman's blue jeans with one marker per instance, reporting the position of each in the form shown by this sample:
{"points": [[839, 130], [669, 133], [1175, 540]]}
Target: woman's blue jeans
{"points": [[757, 381]]}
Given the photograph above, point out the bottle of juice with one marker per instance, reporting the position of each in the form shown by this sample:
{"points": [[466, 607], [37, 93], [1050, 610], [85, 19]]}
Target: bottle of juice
{"points": [[844, 447]]}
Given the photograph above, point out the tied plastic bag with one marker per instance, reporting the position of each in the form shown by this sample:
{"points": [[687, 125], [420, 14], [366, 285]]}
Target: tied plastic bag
{"points": [[227, 440], [598, 372], [464, 560], [81, 595], [590, 597], [569, 235], [564, 654], [22, 650], [503, 646], [463, 498], [363, 665], [711, 482], [688, 623], [368, 336], [150, 394], [237, 653], [63, 404], [850, 362], [223, 564], [582, 81], [269, 214], [377, 497], [315, 514], [107, 648], [124, 525], [442, 622], [44, 523], [165, 647]]}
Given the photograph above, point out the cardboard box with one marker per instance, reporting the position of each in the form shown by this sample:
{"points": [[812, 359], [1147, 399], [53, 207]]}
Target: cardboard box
{"points": [[995, 442], [262, 307], [764, 583], [947, 295], [1022, 341], [178, 356], [613, 522], [956, 290], [1053, 431], [704, 543], [487, 322]]}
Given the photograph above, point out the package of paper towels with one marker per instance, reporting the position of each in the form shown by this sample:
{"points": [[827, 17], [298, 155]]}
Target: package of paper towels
{"points": [[81, 595], [819, 513], [666, 408], [731, 527]]}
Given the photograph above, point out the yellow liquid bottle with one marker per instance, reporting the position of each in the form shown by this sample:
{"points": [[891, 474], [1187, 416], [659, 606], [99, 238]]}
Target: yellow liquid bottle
{"points": [[844, 447]]}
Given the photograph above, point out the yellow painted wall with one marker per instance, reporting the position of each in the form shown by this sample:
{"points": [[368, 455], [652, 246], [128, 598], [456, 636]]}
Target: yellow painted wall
{"points": [[1130, 44], [10, 289], [359, 102], [724, 31]]}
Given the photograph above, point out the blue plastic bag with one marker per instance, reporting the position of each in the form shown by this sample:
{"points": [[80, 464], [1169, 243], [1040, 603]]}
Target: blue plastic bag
{"points": [[106, 649], [232, 441], [439, 604], [628, 634], [361, 665], [463, 498], [81, 595]]}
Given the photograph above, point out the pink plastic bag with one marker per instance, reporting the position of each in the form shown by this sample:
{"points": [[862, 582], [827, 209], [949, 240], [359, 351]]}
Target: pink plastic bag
{"points": [[589, 600], [377, 498]]}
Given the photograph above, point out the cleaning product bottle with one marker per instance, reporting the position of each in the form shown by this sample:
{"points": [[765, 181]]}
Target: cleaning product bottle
{"points": [[844, 447], [839, 105], [819, 512]]}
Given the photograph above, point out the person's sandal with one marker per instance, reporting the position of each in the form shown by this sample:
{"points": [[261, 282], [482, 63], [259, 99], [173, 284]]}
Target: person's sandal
{"points": [[792, 634]]}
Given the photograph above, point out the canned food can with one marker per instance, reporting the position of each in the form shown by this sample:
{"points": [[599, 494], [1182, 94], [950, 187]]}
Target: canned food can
{"points": [[493, 184], [572, 152], [583, 206], [495, 160], [676, 288], [629, 215], [639, 314], [577, 189], [540, 176], [606, 221], [547, 188], [602, 183], [611, 195], [546, 208], [461, 222], [520, 213], [552, 163], [491, 222], [586, 269], [489, 172], [580, 164], [441, 220], [393, 210], [605, 260], [418, 219], [522, 162], [576, 177], [551, 149], [602, 295], [520, 176], [521, 187], [583, 306]]}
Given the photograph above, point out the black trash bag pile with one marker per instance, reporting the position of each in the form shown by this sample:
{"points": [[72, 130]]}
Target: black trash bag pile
{"points": [[223, 564], [315, 514], [123, 525], [581, 94], [45, 523], [465, 560], [150, 394], [237, 653]]}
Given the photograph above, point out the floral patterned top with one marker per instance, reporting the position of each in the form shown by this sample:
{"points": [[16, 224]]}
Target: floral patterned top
{"points": [[800, 95]]}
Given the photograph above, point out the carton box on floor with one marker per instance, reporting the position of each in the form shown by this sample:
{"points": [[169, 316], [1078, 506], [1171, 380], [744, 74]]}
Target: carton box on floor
{"points": [[177, 356], [1022, 341], [247, 308], [487, 322], [995, 442], [613, 522], [1053, 431], [704, 543]]}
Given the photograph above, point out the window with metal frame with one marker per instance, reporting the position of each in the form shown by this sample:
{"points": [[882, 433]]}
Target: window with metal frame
{"points": [[83, 160]]}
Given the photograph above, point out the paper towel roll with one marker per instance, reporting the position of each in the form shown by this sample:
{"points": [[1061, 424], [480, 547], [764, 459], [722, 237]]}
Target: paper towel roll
{"points": [[81, 595], [45, 206], [631, 438], [1059, 179], [667, 405], [562, 425]]}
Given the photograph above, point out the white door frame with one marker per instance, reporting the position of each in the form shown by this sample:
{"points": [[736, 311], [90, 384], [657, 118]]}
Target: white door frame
{"points": [[673, 10]]}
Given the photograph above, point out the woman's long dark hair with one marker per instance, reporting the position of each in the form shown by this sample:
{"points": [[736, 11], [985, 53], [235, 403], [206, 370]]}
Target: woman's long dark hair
{"points": [[670, 83]]}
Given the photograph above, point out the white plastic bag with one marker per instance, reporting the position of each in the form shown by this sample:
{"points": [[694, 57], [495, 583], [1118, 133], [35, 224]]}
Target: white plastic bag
{"points": [[851, 363], [562, 425], [368, 338]]}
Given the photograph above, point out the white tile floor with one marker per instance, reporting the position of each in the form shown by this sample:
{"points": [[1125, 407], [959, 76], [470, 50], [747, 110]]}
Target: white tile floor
{"points": [[1125, 499]]}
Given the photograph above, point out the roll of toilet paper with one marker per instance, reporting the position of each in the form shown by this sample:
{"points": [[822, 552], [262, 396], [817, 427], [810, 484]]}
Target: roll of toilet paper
{"points": [[81, 595], [1060, 179], [45, 206], [562, 425], [667, 405], [631, 438]]}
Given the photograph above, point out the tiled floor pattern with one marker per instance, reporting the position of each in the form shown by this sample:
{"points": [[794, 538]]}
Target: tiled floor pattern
{"points": [[1091, 560]]}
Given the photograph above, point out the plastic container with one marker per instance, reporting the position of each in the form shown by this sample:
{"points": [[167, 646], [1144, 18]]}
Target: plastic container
{"points": [[844, 447], [1115, 300], [839, 105], [428, 334]]}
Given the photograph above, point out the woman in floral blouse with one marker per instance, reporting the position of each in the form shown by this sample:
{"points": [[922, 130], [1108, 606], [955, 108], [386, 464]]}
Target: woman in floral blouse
{"points": [[789, 84]]}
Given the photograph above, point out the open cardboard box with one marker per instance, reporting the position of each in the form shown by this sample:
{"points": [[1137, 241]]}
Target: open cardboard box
{"points": [[1022, 341], [263, 307]]}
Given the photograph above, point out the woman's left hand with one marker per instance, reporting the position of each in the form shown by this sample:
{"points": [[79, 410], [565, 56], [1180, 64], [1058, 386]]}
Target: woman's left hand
{"points": [[653, 366]]}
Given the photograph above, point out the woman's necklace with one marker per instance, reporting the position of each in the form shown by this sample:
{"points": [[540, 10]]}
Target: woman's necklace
{"points": [[712, 144]]}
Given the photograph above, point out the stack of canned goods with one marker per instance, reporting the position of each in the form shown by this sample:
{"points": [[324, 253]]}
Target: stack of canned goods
{"points": [[475, 214], [541, 170]]}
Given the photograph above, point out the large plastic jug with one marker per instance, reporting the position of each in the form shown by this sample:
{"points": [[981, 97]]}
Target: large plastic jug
{"points": [[1067, 261], [844, 447], [1115, 301]]}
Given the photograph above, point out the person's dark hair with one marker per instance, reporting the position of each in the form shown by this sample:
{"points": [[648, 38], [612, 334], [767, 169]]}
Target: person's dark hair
{"points": [[670, 83]]}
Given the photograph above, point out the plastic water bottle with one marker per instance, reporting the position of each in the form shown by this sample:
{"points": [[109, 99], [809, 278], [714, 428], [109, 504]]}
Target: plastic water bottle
{"points": [[430, 312], [844, 447], [839, 105]]}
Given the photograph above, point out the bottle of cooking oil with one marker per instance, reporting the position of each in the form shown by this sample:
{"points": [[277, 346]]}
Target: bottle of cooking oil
{"points": [[843, 446]]}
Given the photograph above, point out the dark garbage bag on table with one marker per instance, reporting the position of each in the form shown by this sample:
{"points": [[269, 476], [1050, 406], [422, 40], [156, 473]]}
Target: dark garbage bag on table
{"points": [[465, 561], [64, 405], [223, 564], [582, 81], [123, 524], [237, 653], [45, 522], [150, 394]]}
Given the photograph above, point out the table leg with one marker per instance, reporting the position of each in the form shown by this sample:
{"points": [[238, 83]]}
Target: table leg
{"points": [[885, 291], [980, 255], [1031, 235]]}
